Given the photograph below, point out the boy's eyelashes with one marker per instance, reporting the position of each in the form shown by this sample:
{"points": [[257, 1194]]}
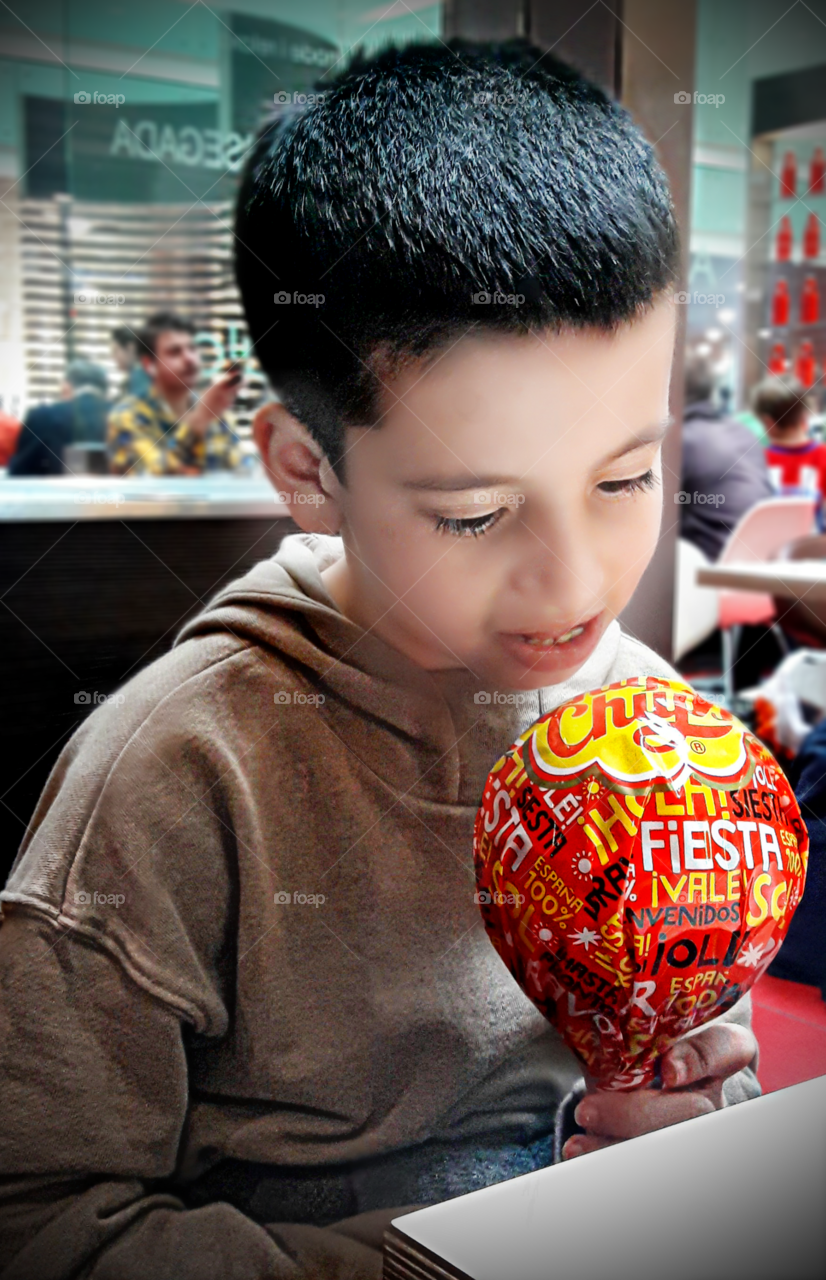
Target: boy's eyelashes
{"points": [[469, 528], [475, 526], [632, 484]]}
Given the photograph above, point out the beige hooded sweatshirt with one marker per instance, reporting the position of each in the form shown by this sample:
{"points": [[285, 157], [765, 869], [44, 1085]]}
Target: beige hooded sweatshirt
{"points": [[245, 990]]}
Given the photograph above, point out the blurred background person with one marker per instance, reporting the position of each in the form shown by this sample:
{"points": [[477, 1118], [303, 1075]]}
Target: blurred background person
{"points": [[79, 417], [796, 462], [10, 428], [723, 468], [797, 468], [135, 381], [169, 430], [803, 955]]}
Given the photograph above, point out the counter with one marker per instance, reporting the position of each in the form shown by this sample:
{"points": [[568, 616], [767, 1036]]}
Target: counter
{"points": [[220, 495], [97, 577]]}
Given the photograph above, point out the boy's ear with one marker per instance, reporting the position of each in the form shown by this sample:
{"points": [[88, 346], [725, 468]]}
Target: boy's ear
{"points": [[298, 469]]}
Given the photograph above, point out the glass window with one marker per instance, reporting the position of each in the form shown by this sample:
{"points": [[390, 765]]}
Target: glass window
{"points": [[123, 130]]}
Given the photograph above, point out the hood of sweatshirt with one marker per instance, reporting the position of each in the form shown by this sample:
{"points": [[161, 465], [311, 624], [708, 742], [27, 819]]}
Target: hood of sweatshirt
{"points": [[432, 734]]}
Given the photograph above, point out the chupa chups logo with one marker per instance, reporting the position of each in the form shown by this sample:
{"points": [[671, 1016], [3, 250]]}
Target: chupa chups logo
{"points": [[638, 736]]}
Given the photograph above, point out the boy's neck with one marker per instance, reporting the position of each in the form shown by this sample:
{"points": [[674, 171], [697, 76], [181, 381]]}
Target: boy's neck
{"points": [[336, 580]]}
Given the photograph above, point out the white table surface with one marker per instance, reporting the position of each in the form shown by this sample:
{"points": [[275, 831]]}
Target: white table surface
{"points": [[792, 578], [736, 1195]]}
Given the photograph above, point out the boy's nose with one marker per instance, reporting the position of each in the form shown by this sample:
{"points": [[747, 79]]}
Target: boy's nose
{"points": [[562, 571]]}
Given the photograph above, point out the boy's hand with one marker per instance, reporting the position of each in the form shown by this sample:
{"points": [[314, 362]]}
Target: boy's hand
{"points": [[693, 1072]]}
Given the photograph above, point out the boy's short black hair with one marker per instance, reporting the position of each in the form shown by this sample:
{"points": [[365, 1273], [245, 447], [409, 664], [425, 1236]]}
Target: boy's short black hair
{"points": [[158, 323], [428, 179], [783, 400]]}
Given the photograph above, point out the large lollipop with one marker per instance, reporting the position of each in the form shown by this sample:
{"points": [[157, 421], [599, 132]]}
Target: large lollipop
{"points": [[639, 856]]}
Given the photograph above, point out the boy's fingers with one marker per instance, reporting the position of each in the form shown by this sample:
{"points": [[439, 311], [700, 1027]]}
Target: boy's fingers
{"points": [[715, 1052], [702, 1060], [626, 1115], [582, 1143]]}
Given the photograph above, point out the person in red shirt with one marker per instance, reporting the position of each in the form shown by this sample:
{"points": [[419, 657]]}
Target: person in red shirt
{"points": [[796, 462], [10, 429]]}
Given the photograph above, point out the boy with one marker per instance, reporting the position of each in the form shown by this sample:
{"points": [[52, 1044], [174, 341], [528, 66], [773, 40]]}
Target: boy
{"points": [[250, 1005], [796, 463], [168, 430]]}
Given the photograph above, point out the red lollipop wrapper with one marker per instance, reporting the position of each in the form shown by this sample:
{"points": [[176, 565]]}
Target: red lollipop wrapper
{"points": [[639, 856]]}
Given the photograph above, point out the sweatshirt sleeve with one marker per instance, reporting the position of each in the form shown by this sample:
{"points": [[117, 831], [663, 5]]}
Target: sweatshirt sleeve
{"points": [[94, 1104]]}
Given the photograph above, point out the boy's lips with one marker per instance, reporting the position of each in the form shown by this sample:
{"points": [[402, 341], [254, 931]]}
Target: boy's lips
{"points": [[553, 650]]}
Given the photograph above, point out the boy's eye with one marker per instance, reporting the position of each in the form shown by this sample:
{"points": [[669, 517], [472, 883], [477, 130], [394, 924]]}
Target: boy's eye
{"points": [[473, 527], [632, 485]]}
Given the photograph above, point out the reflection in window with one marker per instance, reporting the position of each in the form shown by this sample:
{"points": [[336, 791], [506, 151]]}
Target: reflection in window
{"points": [[129, 132]]}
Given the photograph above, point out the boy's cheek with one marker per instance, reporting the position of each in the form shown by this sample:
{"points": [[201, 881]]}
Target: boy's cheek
{"points": [[629, 551]]}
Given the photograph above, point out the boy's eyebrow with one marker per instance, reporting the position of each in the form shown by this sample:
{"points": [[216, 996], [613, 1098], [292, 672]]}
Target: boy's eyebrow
{"points": [[458, 483], [462, 483], [653, 435]]}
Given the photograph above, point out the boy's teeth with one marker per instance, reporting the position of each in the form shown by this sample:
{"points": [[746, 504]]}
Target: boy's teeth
{"points": [[539, 643]]}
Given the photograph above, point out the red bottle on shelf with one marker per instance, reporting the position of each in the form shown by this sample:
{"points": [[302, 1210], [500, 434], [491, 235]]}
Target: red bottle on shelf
{"points": [[788, 177], [783, 243], [804, 367], [811, 237], [778, 364], [780, 304], [817, 173], [810, 302]]}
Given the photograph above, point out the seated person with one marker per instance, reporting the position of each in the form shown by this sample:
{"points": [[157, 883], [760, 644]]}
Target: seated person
{"points": [[169, 430], [79, 417], [136, 381], [802, 957], [249, 1007], [10, 428], [723, 469], [796, 462]]}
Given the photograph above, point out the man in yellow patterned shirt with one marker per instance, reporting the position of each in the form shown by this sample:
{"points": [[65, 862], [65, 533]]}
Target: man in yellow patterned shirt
{"points": [[169, 430]]}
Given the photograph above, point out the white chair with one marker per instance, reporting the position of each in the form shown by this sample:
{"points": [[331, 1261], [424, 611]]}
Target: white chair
{"points": [[761, 534], [696, 608]]}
